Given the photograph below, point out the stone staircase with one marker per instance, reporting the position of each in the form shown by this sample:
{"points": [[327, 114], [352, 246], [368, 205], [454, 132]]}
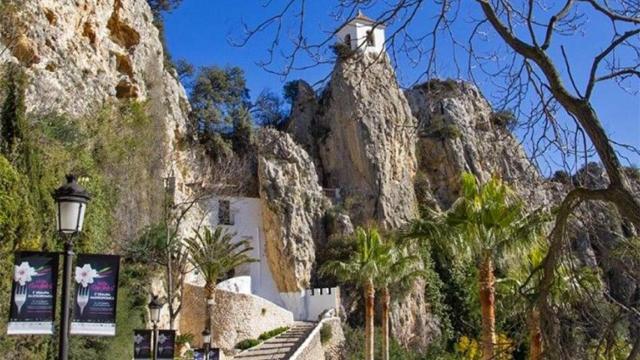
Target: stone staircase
{"points": [[281, 346]]}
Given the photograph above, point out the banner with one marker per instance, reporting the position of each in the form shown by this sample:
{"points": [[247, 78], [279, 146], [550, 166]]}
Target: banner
{"points": [[166, 344], [214, 354], [96, 295], [33, 294], [142, 344]]}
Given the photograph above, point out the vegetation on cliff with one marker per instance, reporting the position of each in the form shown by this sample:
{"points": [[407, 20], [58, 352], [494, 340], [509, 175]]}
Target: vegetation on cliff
{"points": [[113, 153]]}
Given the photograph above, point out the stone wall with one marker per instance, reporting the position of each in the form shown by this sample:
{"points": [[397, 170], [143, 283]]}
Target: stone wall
{"points": [[236, 316], [334, 348], [312, 347]]}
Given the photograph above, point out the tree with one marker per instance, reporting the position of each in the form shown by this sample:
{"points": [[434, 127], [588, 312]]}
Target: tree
{"points": [[184, 69], [242, 137], [486, 223], [215, 95], [214, 253], [397, 274], [290, 91], [269, 110], [362, 269], [158, 6], [161, 244]]}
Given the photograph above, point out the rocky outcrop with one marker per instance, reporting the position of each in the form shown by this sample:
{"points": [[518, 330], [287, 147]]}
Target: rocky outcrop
{"points": [[600, 237], [459, 131], [365, 141], [412, 322], [303, 110], [293, 207]]}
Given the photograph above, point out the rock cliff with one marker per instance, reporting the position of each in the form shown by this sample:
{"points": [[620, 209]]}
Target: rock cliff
{"points": [[80, 55], [293, 208], [459, 131], [365, 141]]}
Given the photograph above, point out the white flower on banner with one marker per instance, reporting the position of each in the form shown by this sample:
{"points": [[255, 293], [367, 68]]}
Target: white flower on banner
{"points": [[162, 338], [138, 338], [23, 273], [85, 275]]}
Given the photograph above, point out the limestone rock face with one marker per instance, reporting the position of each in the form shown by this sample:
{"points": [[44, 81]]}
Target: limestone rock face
{"points": [[79, 55], [412, 323], [303, 110], [458, 131], [293, 207], [365, 140]]}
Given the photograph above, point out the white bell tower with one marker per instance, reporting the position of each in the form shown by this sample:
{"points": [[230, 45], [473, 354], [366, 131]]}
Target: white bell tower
{"points": [[362, 34]]}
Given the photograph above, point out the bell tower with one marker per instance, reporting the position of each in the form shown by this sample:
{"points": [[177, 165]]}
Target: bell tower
{"points": [[362, 34]]}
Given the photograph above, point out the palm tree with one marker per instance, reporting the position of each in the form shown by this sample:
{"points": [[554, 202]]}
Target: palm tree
{"points": [[214, 254], [485, 223], [397, 274], [362, 269]]}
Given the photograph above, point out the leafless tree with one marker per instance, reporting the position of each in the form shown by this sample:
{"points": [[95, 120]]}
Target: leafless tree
{"points": [[533, 72]]}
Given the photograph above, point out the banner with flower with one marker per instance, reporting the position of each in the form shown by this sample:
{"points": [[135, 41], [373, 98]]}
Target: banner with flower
{"points": [[198, 354], [142, 344], [166, 344], [96, 295], [33, 293]]}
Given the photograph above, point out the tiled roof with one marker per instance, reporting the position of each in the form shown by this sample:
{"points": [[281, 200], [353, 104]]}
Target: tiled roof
{"points": [[363, 19]]}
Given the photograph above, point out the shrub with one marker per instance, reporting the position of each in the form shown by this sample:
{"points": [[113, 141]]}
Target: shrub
{"points": [[271, 333], [184, 338], [326, 333], [342, 51], [439, 128], [504, 118], [247, 344], [354, 346]]}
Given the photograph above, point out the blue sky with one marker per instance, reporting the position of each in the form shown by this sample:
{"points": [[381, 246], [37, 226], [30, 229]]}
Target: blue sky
{"points": [[199, 31]]}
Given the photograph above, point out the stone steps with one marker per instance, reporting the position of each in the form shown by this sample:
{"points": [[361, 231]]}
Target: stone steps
{"points": [[281, 346]]}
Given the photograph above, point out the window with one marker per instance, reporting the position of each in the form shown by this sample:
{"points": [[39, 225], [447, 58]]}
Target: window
{"points": [[224, 213], [371, 41], [347, 40]]}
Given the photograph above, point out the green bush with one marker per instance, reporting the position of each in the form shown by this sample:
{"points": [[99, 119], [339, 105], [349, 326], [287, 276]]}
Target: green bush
{"points": [[326, 333], [247, 343], [439, 128], [272, 333], [354, 346], [504, 118], [184, 338]]}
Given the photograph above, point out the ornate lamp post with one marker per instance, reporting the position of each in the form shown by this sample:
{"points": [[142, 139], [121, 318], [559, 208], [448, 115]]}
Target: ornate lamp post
{"points": [[71, 202], [154, 311], [206, 343]]}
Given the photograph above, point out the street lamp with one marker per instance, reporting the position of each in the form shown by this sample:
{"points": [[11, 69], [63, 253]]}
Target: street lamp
{"points": [[71, 202], [154, 315], [206, 340]]}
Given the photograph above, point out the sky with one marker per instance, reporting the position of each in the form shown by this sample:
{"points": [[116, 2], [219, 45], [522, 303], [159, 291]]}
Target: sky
{"points": [[202, 32]]}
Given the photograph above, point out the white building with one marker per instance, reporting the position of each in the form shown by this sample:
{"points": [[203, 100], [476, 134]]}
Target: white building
{"points": [[243, 216], [363, 34]]}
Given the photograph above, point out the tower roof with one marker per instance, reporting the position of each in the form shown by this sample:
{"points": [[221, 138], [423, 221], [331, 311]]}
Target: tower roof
{"points": [[361, 18]]}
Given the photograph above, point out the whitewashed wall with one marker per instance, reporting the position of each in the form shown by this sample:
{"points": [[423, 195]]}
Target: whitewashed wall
{"points": [[309, 304], [358, 34], [247, 224]]}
